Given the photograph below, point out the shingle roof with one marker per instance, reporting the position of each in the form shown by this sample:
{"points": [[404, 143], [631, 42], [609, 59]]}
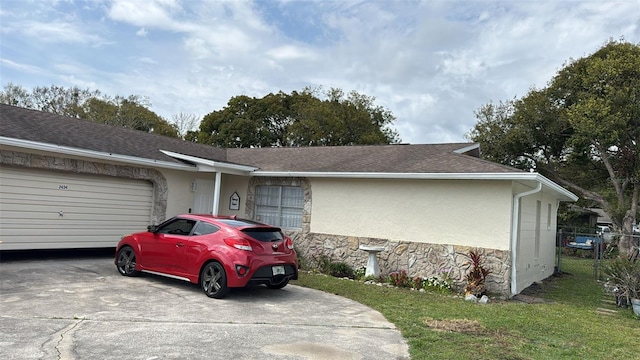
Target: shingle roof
{"points": [[432, 158], [31, 125]]}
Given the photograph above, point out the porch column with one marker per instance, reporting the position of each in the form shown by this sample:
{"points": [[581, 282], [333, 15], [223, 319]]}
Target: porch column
{"points": [[216, 194]]}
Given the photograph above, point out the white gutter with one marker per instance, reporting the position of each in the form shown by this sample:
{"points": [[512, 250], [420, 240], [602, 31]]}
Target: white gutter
{"points": [[514, 234], [65, 150]]}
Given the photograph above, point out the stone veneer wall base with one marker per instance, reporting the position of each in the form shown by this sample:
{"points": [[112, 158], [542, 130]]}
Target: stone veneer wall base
{"points": [[418, 259]]}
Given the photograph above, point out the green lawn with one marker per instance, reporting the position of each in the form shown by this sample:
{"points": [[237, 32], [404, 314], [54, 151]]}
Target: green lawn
{"points": [[447, 327]]}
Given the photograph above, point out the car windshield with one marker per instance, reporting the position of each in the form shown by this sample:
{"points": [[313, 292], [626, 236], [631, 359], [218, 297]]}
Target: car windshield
{"points": [[264, 234]]}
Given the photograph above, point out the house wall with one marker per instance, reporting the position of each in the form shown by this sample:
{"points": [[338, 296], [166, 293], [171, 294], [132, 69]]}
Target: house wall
{"points": [[231, 184], [453, 212], [179, 196], [341, 215], [535, 265]]}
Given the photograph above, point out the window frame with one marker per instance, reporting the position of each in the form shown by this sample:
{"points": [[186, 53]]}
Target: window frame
{"points": [[258, 215]]}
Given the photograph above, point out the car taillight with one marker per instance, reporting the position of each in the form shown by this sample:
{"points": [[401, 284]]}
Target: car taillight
{"points": [[288, 243], [238, 243]]}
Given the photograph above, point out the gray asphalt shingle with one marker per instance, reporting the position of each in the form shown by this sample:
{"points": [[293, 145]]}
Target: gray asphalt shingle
{"points": [[42, 127]]}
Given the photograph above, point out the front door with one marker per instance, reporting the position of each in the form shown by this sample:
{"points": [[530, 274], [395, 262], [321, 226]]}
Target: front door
{"points": [[203, 199]]}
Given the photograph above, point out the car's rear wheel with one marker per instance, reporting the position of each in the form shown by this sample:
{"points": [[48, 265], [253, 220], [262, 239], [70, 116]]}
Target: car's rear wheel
{"points": [[126, 261], [213, 280], [278, 285]]}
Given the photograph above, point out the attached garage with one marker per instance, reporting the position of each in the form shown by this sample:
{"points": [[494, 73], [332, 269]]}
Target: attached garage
{"points": [[42, 209]]}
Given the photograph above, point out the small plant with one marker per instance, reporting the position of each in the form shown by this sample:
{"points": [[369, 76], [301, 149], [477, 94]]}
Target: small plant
{"points": [[477, 276], [624, 274], [432, 283], [324, 264], [359, 273], [341, 269], [400, 279], [303, 264]]}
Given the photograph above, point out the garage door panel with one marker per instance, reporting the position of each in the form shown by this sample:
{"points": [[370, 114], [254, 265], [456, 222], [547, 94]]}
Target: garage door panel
{"points": [[43, 209], [11, 203], [67, 210], [59, 243], [76, 227], [88, 232]]}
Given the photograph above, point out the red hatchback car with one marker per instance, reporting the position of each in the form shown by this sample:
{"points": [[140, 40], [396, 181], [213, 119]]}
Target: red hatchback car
{"points": [[216, 252]]}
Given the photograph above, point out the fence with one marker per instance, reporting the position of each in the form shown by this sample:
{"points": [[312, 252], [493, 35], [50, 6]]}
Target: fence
{"points": [[572, 238]]}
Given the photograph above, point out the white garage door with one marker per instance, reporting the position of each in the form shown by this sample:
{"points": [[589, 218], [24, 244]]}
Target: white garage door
{"points": [[49, 210]]}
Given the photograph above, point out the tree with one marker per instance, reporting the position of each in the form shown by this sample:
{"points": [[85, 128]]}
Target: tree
{"points": [[582, 131], [298, 119], [131, 112], [185, 123]]}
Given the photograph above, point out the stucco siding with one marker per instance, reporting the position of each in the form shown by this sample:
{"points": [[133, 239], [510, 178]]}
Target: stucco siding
{"points": [[231, 184], [179, 196], [535, 265], [455, 212]]}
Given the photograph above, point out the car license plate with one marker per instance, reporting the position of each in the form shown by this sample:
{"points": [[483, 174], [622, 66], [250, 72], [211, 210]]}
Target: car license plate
{"points": [[278, 270]]}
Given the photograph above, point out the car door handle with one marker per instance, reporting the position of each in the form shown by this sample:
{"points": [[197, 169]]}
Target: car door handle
{"points": [[179, 245]]}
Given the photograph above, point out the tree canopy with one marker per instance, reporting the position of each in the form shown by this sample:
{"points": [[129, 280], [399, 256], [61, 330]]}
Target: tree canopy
{"points": [[582, 131], [130, 112], [298, 119]]}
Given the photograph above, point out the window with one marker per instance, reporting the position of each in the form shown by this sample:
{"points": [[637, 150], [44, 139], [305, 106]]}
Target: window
{"points": [[204, 228], [280, 206], [177, 227]]}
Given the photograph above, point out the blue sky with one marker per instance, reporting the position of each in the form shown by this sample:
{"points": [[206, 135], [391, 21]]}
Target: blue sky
{"points": [[431, 63]]}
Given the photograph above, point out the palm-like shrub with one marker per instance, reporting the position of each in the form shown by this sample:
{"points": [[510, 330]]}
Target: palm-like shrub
{"points": [[624, 274], [477, 275]]}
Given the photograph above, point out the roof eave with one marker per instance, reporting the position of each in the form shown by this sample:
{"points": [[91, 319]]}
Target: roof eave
{"points": [[206, 165], [565, 194], [66, 150]]}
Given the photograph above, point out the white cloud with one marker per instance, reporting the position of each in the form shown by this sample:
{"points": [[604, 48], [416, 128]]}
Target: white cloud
{"points": [[25, 68], [59, 32], [431, 63], [290, 52]]}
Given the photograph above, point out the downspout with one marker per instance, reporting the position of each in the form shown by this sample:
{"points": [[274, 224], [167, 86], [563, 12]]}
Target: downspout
{"points": [[216, 194], [514, 233]]}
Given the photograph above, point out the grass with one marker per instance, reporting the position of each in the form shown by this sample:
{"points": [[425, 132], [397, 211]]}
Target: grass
{"points": [[440, 326]]}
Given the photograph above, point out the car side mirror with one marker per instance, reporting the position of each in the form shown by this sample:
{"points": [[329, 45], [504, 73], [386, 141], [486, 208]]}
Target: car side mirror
{"points": [[152, 228]]}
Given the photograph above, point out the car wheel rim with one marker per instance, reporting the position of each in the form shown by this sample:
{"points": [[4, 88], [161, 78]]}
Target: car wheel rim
{"points": [[127, 261], [212, 279]]}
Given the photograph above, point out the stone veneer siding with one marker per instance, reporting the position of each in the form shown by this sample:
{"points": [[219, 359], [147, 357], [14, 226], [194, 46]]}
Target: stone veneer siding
{"points": [[418, 259], [34, 161]]}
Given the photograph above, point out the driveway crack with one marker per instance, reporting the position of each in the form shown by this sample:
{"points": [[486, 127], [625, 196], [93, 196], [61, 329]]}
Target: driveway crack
{"points": [[60, 345]]}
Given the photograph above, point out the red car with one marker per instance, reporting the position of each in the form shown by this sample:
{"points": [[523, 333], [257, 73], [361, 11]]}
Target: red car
{"points": [[216, 252]]}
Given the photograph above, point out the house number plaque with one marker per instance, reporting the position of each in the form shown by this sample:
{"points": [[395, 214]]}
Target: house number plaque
{"points": [[234, 201]]}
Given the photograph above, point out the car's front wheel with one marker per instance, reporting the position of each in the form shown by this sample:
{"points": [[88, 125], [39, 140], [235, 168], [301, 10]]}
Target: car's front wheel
{"points": [[213, 280], [126, 261], [278, 285]]}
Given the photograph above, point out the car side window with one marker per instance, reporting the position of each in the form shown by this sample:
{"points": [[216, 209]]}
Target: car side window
{"points": [[177, 227], [203, 228]]}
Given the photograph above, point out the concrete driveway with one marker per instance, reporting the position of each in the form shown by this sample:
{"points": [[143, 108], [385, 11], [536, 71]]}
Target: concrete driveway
{"points": [[81, 308]]}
